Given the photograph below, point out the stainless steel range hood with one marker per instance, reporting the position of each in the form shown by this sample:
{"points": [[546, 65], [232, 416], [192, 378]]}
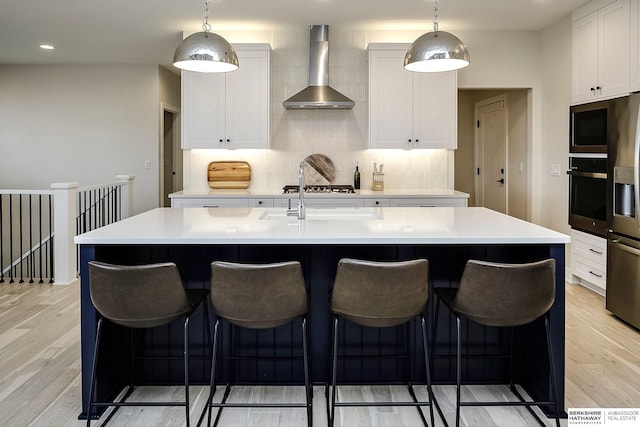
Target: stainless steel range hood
{"points": [[318, 95]]}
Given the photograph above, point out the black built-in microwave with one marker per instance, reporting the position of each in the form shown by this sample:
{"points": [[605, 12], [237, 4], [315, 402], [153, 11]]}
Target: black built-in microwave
{"points": [[588, 127]]}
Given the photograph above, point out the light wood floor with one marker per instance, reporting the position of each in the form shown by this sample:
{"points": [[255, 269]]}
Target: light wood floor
{"points": [[40, 372]]}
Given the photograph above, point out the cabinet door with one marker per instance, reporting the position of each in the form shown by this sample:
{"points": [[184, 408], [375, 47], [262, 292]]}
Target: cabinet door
{"points": [[634, 79], [600, 53], [435, 110], [585, 58], [390, 100], [203, 105], [247, 101], [613, 49]]}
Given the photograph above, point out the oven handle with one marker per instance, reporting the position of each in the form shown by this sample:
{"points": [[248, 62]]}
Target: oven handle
{"points": [[598, 175]]}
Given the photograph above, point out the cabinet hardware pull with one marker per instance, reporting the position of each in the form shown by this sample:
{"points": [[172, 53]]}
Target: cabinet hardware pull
{"points": [[594, 251], [594, 274]]}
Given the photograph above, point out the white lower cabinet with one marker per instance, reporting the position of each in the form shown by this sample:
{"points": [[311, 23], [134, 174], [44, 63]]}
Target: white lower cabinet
{"points": [[589, 261], [337, 202], [209, 202], [375, 203], [428, 202], [261, 203], [330, 201]]}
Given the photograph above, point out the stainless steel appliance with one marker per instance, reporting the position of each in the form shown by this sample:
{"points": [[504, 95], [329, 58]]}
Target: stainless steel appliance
{"points": [[588, 194], [623, 243], [588, 127]]}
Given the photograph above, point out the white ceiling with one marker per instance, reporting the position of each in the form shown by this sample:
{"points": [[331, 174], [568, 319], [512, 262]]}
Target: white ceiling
{"points": [[147, 31]]}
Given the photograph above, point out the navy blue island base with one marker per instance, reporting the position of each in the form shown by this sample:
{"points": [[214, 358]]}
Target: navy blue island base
{"points": [[319, 263]]}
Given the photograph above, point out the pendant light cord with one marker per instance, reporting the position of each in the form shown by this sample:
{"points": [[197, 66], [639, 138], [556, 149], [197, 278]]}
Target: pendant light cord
{"points": [[436, 18], [205, 23]]}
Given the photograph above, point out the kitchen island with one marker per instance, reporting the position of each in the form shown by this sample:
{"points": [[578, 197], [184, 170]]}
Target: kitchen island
{"points": [[446, 236]]}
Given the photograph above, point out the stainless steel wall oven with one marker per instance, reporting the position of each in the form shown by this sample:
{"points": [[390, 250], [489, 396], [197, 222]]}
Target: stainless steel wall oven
{"points": [[588, 194]]}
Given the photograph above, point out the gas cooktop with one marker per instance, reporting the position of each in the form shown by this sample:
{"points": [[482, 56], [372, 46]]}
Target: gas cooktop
{"points": [[345, 189]]}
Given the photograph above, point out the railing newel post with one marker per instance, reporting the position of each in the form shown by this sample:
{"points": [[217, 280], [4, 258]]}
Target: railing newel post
{"points": [[64, 217]]}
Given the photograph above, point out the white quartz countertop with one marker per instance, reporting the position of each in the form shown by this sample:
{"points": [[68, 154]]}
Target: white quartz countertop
{"points": [[358, 193], [433, 225]]}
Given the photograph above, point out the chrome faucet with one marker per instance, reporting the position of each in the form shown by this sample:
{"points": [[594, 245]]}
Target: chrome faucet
{"points": [[301, 208]]}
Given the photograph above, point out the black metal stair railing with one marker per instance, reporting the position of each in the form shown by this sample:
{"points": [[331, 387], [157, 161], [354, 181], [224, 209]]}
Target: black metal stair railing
{"points": [[26, 236], [98, 206], [28, 227]]}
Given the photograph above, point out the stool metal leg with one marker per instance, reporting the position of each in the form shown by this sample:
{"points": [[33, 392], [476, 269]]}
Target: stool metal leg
{"points": [[458, 369], [307, 384], [212, 384], [427, 366], [552, 370], [94, 371], [185, 354], [334, 368]]}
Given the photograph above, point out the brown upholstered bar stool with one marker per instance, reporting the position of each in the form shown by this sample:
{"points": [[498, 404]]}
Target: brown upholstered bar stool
{"points": [[258, 296], [380, 295], [506, 296], [140, 297]]}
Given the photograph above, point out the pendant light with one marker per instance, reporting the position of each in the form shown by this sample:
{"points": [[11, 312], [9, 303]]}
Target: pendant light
{"points": [[205, 52], [436, 51]]}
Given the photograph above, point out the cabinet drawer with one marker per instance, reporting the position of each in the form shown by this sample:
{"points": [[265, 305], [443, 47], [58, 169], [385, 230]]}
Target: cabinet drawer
{"points": [[261, 203], [376, 203], [585, 270], [331, 202], [428, 202], [590, 248], [207, 202]]}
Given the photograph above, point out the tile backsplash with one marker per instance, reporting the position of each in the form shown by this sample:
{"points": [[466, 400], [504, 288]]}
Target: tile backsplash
{"points": [[341, 135]]}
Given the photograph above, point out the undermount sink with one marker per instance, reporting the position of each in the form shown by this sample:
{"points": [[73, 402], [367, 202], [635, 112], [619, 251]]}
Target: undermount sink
{"points": [[326, 214]]}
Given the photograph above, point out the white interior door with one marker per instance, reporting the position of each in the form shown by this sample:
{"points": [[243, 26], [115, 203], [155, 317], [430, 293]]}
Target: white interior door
{"points": [[491, 154]]}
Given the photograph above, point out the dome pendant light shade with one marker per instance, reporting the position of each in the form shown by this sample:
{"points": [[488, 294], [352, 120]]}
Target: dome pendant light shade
{"points": [[205, 52], [436, 51]]}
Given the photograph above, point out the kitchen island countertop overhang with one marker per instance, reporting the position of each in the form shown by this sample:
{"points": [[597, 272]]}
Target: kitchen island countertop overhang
{"points": [[446, 236]]}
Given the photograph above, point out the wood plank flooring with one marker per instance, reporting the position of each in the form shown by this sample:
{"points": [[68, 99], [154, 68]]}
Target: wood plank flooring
{"points": [[40, 373]]}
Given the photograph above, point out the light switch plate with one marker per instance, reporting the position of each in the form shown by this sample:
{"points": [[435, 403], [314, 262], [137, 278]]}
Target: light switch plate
{"points": [[555, 170]]}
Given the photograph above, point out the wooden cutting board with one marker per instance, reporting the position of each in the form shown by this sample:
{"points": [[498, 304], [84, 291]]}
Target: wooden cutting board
{"points": [[229, 174]]}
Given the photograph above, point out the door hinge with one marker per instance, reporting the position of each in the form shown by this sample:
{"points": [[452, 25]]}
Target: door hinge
{"points": [[478, 123], [478, 171]]}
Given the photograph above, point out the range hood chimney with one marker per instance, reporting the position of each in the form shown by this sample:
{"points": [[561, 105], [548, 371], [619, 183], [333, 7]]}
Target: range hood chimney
{"points": [[318, 95]]}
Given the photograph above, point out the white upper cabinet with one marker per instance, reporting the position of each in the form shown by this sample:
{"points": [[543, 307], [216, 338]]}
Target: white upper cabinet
{"points": [[228, 110], [634, 79], [407, 109], [600, 50]]}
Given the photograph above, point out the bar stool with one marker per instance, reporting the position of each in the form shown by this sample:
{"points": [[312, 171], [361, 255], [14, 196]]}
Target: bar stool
{"points": [[141, 297], [502, 295], [258, 296], [380, 295]]}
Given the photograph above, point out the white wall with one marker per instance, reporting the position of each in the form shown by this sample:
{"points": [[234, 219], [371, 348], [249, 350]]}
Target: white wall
{"points": [[79, 123], [554, 147]]}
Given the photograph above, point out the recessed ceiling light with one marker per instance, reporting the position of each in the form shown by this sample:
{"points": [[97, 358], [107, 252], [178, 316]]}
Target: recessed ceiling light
{"points": [[47, 47]]}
